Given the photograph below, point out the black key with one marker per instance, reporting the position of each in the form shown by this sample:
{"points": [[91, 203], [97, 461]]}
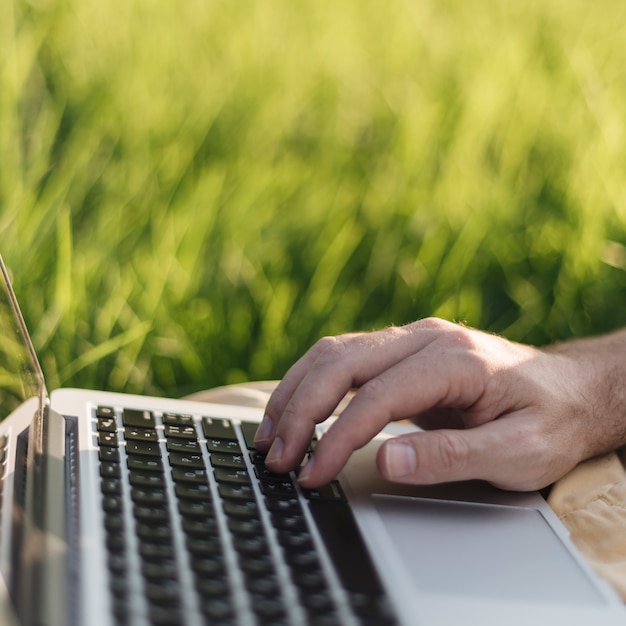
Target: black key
{"points": [[290, 540], [232, 475], [251, 545], [156, 551], [267, 607], [140, 434], [113, 522], [164, 615], [106, 424], [330, 619], [163, 593], [332, 491], [261, 472], [258, 457], [243, 509], [288, 506], [345, 545], [208, 566], [200, 527], [277, 487], [302, 560], [182, 445], [138, 418], [289, 522], [107, 453], [115, 543], [204, 546], [105, 411], [150, 514], [180, 432], [245, 527], [196, 508], [162, 570], [318, 601], [111, 485], [193, 491], [248, 429], [146, 479], [219, 459], [178, 419], [147, 448], [154, 534], [118, 585], [261, 565], [235, 492], [187, 459], [223, 445], [220, 610], [117, 564], [212, 587], [189, 475], [216, 428], [268, 585], [311, 579], [142, 495], [112, 504], [145, 463], [110, 470], [107, 439], [193, 509]]}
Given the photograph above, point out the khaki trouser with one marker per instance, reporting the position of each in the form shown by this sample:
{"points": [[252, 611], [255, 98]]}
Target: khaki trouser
{"points": [[590, 500]]}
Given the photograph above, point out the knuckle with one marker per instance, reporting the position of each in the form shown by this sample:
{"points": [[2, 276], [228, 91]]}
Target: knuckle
{"points": [[464, 338], [374, 389], [331, 349], [451, 451], [324, 343], [429, 323]]}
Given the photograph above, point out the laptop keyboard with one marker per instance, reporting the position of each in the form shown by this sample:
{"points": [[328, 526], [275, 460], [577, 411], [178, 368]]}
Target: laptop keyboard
{"points": [[198, 530]]}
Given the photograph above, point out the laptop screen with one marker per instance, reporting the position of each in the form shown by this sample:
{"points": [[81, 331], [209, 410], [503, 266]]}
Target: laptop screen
{"points": [[21, 377]]}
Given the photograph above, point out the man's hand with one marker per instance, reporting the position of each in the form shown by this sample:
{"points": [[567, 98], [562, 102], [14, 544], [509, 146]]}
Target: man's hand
{"points": [[491, 409]]}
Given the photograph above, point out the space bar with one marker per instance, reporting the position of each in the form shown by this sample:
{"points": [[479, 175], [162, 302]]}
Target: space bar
{"points": [[345, 546]]}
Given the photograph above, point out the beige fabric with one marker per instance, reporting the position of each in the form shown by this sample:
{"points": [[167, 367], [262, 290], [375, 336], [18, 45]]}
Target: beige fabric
{"points": [[248, 394], [590, 500]]}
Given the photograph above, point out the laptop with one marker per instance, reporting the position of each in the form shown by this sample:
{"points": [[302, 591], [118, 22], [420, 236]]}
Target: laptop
{"points": [[125, 509]]}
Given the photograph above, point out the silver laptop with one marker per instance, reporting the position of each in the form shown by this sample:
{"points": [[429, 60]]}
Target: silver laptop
{"points": [[121, 509]]}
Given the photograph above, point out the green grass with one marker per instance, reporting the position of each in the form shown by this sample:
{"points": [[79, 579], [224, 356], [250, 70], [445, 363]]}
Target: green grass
{"points": [[192, 193]]}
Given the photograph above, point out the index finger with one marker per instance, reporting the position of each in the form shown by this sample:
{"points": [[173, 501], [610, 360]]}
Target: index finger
{"points": [[287, 387], [318, 383]]}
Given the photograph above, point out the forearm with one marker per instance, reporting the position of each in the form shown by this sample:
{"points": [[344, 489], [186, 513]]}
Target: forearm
{"points": [[599, 368]]}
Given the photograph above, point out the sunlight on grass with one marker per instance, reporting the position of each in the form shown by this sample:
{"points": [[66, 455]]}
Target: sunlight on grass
{"points": [[192, 194]]}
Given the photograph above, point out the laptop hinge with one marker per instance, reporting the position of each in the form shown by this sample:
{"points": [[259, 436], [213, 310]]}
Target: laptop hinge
{"points": [[42, 586]]}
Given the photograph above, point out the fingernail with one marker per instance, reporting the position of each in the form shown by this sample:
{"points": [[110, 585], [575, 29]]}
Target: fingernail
{"points": [[264, 431], [306, 470], [276, 451], [400, 458]]}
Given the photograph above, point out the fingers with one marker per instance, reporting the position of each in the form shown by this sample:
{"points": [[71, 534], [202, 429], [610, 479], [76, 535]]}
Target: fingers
{"points": [[410, 387], [322, 399], [316, 383]]}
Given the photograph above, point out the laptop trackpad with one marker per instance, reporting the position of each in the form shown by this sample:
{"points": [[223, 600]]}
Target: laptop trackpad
{"points": [[483, 550]]}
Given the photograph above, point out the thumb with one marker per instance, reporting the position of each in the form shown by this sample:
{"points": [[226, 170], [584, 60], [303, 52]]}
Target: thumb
{"points": [[494, 452]]}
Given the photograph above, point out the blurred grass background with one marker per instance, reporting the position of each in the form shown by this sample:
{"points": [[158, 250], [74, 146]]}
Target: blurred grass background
{"points": [[192, 193]]}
